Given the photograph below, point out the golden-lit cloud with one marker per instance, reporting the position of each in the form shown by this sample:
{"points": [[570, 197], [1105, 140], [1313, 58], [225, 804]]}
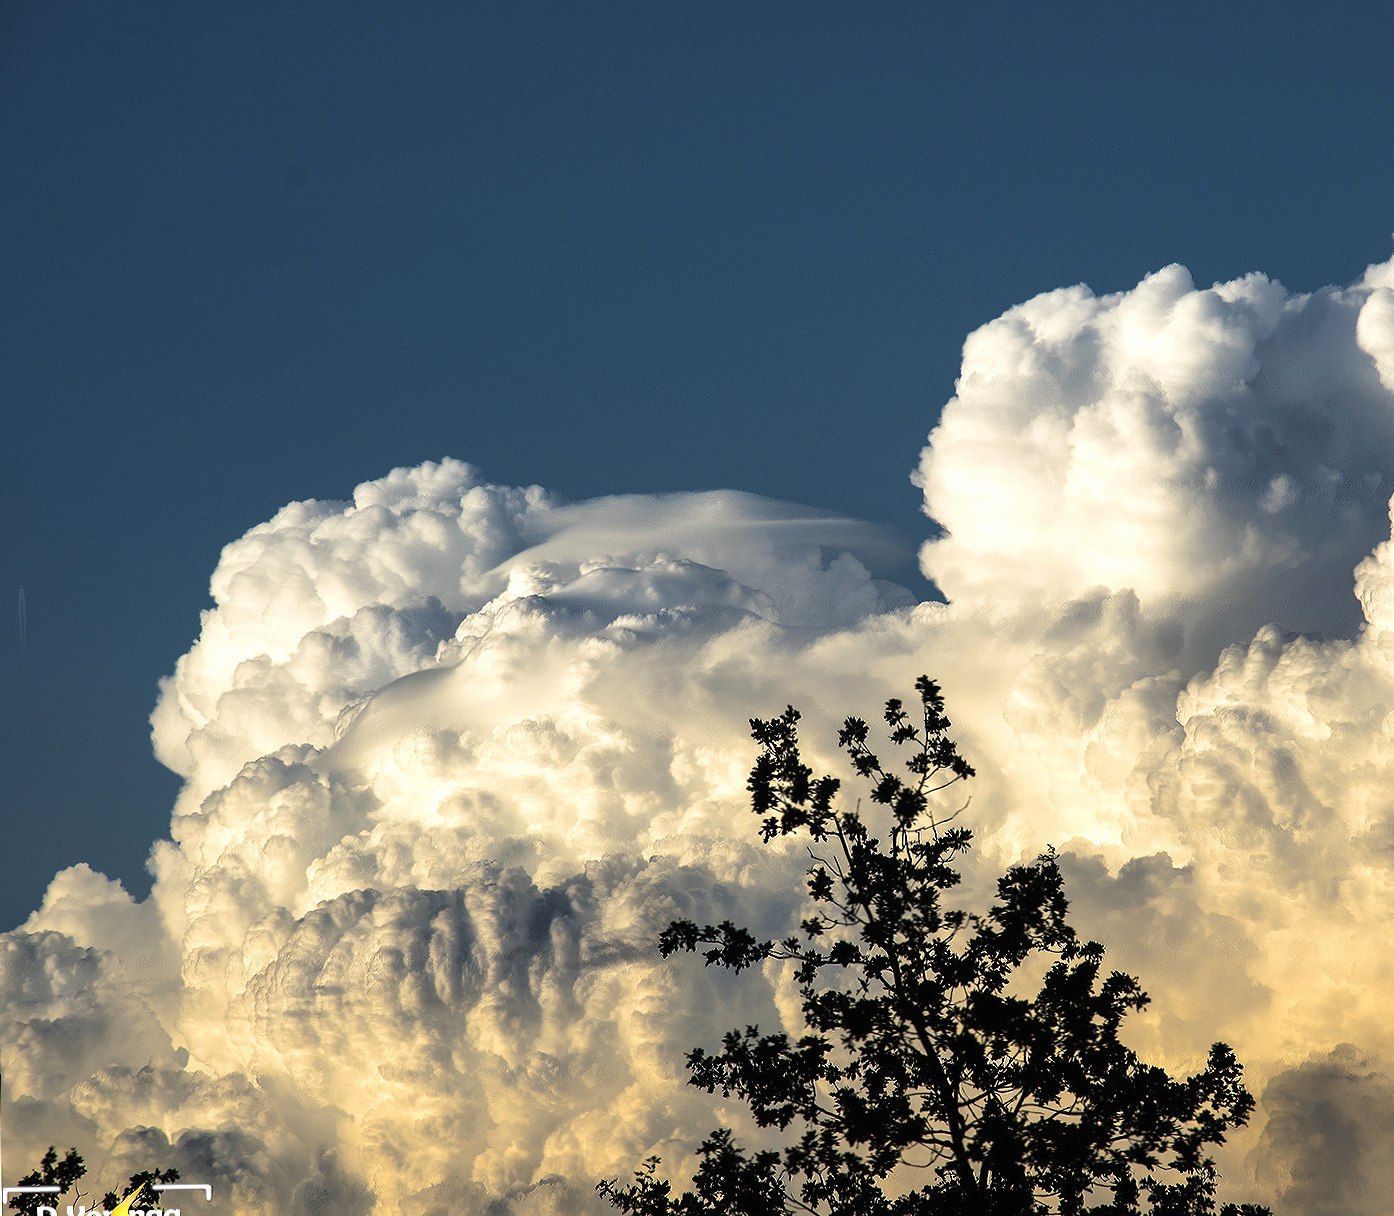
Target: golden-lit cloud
{"points": [[453, 753]]}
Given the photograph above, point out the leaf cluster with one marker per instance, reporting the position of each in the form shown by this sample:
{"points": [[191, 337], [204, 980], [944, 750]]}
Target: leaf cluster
{"points": [[65, 1172], [138, 1180], [62, 1172], [934, 1076]]}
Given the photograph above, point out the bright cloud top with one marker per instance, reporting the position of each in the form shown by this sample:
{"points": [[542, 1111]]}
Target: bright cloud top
{"points": [[454, 753], [1228, 445]]}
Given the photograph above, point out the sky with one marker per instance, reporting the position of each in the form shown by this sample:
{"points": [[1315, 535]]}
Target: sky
{"points": [[679, 267]]}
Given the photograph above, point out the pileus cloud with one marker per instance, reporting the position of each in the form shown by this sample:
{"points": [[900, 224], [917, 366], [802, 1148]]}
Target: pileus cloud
{"points": [[454, 752]]}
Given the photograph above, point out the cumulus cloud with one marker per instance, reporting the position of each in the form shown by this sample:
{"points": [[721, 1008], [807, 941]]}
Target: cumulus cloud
{"points": [[1227, 448], [328, 603], [454, 752]]}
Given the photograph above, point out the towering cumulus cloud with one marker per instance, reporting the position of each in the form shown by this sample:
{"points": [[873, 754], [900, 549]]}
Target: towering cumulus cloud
{"points": [[453, 753]]}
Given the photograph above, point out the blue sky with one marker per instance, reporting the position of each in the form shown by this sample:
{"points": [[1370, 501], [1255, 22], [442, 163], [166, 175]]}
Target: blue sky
{"points": [[252, 255]]}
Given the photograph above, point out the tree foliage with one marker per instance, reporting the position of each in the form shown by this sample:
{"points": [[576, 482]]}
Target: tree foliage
{"points": [[62, 1172], [66, 1172], [932, 1076]]}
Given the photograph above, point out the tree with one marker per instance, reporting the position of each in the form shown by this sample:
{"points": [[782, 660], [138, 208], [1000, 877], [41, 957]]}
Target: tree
{"points": [[65, 1172], [928, 1056]]}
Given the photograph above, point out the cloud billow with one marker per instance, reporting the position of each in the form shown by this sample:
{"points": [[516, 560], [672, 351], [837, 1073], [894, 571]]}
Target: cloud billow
{"points": [[453, 753], [1228, 446]]}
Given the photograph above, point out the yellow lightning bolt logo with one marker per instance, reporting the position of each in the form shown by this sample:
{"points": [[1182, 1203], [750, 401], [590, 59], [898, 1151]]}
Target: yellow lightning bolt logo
{"points": [[124, 1207]]}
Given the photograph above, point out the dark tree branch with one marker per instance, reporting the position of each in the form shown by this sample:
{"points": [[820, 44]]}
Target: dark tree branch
{"points": [[917, 1055]]}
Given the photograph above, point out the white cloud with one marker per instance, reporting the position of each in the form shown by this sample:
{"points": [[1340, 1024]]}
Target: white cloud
{"points": [[454, 753], [1227, 448]]}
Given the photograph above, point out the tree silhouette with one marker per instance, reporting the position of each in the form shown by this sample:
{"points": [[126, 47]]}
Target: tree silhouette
{"points": [[932, 1076], [65, 1172], [62, 1172]]}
